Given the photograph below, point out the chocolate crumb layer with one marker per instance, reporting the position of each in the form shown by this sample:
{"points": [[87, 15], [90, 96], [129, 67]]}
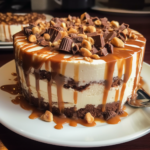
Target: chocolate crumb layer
{"points": [[112, 109]]}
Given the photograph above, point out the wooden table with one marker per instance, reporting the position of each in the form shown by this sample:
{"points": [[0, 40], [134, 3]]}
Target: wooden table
{"points": [[14, 141]]}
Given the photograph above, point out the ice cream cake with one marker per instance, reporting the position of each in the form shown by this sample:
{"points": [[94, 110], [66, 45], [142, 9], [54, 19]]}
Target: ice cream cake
{"points": [[11, 23], [79, 66]]}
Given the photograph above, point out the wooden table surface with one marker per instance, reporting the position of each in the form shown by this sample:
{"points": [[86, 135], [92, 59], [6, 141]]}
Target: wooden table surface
{"points": [[14, 141]]}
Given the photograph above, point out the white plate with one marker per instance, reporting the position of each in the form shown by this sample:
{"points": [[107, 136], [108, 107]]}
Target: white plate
{"points": [[16, 119], [48, 18], [117, 10]]}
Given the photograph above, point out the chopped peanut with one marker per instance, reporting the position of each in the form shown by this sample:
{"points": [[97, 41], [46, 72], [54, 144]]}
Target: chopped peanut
{"points": [[117, 42], [47, 116], [85, 52], [89, 118], [86, 44], [47, 36], [114, 23], [32, 38], [95, 56]]}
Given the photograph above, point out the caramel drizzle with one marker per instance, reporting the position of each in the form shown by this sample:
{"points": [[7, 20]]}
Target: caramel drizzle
{"points": [[56, 66], [9, 32], [76, 78], [4, 31]]}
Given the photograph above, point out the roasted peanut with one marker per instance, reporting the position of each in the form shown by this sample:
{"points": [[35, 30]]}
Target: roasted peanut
{"points": [[88, 59], [47, 116], [89, 118], [83, 35], [36, 30], [125, 31], [63, 25], [97, 22], [63, 34], [85, 52], [86, 44], [114, 23], [47, 36], [32, 38], [90, 40], [117, 42], [95, 56], [72, 30], [91, 29]]}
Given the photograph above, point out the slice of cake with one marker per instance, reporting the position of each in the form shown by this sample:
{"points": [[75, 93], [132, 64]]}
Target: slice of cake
{"points": [[11, 23], [79, 66]]}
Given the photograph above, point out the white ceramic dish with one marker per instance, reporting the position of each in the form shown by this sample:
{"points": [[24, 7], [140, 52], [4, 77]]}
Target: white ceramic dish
{"points": [[16, 119], [5, 45]]}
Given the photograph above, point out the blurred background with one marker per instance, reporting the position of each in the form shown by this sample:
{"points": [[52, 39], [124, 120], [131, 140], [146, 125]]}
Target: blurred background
{"points": [[142, 6]]}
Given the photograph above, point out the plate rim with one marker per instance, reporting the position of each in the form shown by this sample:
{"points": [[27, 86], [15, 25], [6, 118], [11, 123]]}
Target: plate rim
{"points": [[83, 144]]}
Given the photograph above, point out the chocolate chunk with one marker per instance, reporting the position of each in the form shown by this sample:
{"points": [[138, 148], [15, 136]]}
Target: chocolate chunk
{"points": [[102, 52], [110, 114], [122, 27], [75, 49], [39, 39], [122, 36], [77, 39], [66, 44], [69, 18], [27, 31], [90, 22], [119, 112], [56, 20], [91, 34], [81, 31], [95, 18], [58, 28], [72, 35], [44, 43], [98, 40], [94, 50], [109, 48], [54, 34], [86, 16], [110, 36]]}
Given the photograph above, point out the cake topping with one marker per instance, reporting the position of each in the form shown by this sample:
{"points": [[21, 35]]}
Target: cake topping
{"points": [[10, 18], [85, 35]]}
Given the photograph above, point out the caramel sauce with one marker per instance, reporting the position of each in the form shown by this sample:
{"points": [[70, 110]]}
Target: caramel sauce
{"points": [[114, 120], [9, 32], [141, 82], [4, 31], [75, 95], [16, 79], [13, 89], [125, 114], [14, 74], [19, 100], [60, 121]]}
